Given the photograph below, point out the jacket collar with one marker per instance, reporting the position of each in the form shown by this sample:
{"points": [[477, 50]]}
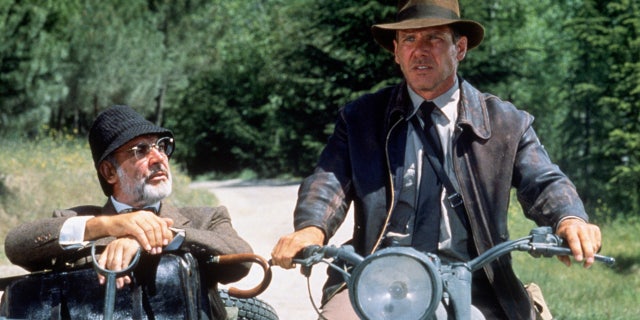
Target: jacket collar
{"points": [[166, 211], [108, 208], [400, 106], [472, 111]]}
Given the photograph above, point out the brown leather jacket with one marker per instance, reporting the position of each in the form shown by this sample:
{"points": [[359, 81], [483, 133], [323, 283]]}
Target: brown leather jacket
{"points": [[494, 149]]}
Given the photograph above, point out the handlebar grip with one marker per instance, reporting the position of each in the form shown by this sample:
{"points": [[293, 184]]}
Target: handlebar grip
{"points": [[310, 251], [564, 251], [609, 261], [307, 258], [309, 255]]}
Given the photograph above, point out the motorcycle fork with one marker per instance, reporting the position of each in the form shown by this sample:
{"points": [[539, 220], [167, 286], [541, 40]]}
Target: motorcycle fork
{"points": [[456, 281]]}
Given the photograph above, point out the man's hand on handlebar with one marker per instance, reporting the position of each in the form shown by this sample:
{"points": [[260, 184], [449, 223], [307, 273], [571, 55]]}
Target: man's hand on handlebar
{"points": [[584, 240], [290, 245]]}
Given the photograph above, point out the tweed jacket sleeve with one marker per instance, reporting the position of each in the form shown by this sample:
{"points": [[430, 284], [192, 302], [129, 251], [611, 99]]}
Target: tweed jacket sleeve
{"points": [[208, 232], [35, 245]]}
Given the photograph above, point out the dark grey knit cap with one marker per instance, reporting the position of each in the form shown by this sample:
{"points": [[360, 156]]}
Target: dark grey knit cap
{"points": [[115, 127]]}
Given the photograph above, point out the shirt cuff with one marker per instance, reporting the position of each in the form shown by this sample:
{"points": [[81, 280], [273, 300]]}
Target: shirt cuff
{"points": [[72, 233], [177, 241]]}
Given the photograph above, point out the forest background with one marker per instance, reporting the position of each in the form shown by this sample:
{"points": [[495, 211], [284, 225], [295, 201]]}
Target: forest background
{"points": [[251, 88], [255, 85]]}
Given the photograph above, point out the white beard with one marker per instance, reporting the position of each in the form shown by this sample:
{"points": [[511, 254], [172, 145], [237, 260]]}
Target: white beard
{"points": [[142, 192]]}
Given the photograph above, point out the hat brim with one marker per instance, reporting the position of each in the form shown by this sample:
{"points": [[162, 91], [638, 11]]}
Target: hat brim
{"points": [[384, 34], [131, 133]]}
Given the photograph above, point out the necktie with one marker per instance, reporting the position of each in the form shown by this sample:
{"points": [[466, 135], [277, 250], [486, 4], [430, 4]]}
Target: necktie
{"points": [[424, 112], [426, 232]]}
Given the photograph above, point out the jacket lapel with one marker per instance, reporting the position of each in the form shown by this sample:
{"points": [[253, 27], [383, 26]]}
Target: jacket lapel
{"points": [[169, 211], [396, 129], [472, 111]]}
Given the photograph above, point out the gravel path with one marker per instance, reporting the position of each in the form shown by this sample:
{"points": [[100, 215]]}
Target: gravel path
{"points": [[261, 212]]}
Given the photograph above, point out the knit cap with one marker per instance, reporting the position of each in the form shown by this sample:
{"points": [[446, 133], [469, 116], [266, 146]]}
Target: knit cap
{"points": [[115, 127]]}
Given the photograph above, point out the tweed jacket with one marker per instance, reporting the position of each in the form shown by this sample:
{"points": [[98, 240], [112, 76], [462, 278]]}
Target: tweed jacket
{"points": [[208, 231], [495, 149]]}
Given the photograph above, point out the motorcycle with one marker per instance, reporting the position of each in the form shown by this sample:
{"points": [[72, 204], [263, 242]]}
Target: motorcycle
{"points": [[163, 287], [403, 283]]}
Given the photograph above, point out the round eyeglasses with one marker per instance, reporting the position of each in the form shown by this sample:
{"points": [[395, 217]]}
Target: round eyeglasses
{"points": [[164, 145]]}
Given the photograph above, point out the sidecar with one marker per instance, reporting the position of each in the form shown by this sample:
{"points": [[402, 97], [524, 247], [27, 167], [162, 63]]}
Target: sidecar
{"points": [[172, 291]]}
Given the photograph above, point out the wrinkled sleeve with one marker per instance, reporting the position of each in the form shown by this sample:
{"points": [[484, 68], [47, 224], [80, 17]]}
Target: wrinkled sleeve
{"points": [[545, 192], [35, 245], [324, 197]]}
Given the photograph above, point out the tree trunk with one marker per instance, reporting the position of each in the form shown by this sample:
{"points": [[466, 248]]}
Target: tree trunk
{"points": [[159, 105]]}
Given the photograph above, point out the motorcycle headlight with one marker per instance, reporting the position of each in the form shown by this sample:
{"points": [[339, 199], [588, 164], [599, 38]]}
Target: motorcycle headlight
{"points": [[395, 283]]}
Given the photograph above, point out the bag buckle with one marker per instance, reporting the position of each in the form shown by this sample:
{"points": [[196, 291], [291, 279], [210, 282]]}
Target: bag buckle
{"points": [[455, 200]]}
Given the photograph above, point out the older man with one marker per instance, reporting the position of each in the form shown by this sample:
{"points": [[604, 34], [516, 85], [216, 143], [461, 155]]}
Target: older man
{"points": [[430, 163], [131, 157]]}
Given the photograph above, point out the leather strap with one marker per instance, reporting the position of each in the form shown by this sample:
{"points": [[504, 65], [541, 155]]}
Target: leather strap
{"points": [[453, 197]]}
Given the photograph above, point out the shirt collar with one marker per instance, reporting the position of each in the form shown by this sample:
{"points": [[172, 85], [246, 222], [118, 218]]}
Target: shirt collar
{"points": [[119, 206], [447, 102]]}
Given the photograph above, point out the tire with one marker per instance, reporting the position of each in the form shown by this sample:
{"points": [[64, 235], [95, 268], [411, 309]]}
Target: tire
{"points": [[249, 309]]}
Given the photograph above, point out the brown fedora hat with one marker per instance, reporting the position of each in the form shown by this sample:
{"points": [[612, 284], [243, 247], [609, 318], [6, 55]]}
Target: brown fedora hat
{"points": [[416, 14]]}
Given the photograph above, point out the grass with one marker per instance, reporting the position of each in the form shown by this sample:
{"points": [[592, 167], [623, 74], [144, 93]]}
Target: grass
{"points": [[57, 172], [599, 292]]}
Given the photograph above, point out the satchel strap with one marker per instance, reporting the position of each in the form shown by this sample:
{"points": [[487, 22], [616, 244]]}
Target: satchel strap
{"points": [[453, 197]]}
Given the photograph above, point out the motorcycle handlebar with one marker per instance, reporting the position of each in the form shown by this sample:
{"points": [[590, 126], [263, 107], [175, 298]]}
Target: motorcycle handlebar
{"points": [[311, 251], [314, 254], [540, 242], [564, 251]]}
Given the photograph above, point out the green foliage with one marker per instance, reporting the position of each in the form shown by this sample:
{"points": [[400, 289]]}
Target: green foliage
{"points": [[272, 93], [32, 66], [255, 85], [524, 59], [602, 126], [64, 61], [56, 171]]}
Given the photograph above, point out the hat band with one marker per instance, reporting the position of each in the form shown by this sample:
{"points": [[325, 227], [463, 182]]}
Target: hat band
{"points": [[426, 10]]}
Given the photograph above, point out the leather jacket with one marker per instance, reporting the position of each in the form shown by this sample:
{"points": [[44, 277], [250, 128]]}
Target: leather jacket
{"points": [[494, 149]]}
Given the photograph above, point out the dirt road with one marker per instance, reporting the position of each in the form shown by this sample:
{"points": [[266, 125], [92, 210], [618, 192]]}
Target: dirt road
{"points": [[262, 212]]}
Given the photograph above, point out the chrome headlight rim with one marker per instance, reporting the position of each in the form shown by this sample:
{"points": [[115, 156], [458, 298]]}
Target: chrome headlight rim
{"points": [[404, 252]]}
